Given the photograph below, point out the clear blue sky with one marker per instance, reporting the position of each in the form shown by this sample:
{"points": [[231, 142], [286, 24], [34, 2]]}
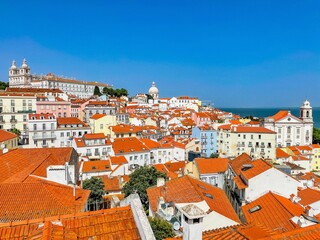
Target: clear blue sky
{"points": [[235, 53]]}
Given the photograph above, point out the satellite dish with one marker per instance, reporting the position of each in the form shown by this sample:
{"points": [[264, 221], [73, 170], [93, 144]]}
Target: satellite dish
{"points": [[176, 226], [168, 218]]}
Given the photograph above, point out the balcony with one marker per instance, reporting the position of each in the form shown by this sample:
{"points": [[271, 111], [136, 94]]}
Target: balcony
{"points": [[13, 120], [26, 111], [44, 136]]}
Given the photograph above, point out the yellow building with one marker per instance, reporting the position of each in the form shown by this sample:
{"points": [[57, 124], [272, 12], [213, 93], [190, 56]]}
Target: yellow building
{"points": [[8, 140], [101, 123], [315, 159]]}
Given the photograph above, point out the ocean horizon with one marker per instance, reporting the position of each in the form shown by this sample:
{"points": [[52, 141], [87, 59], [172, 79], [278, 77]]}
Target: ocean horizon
{"points": [[267, 112]]}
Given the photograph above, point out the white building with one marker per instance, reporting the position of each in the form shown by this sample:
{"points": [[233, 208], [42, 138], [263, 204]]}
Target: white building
{"points": [[258, 142], [69, 128], [291, 130], [22, 77], [93, 145], [42, 129]]}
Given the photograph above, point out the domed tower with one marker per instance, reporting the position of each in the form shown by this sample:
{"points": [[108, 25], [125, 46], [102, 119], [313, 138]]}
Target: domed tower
{"points": [[306, 112], [24, 68], [154, 92]]}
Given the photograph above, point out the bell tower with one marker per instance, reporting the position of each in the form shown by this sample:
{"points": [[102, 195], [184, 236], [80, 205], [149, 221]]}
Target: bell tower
{"points": [[306, 112]]}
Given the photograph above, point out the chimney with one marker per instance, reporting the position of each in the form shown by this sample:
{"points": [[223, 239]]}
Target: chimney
{"points": [[192, 222], [309, 211], [160, 182]]}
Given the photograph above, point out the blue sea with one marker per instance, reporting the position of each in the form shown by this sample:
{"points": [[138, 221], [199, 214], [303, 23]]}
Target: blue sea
{"points": [[266, 112]]}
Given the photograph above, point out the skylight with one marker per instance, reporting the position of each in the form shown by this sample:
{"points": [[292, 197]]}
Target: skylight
{"points": [[254, 209]]}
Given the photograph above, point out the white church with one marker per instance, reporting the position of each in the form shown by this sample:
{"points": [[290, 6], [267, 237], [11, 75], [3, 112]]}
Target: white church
{"points": [[292, 130]]}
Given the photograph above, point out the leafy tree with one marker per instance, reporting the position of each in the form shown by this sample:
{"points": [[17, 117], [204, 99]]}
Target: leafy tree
{"points": [[16, 131], [316, 135], [161, 228], [214, 155], [108, 91], [140, 180], [97, 91], [96, 186], [3, 85], [119, 92]]}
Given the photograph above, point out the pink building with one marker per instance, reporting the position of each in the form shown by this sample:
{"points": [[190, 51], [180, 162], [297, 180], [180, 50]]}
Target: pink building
{"points": [[54, 105], [77, 107], [201, 118]]}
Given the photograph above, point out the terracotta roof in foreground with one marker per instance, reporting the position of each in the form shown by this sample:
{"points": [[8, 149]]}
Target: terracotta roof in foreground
{"points": [[38, 198], [109, 224]]}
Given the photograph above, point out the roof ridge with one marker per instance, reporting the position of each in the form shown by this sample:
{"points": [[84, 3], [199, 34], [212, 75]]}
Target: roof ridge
{"points": [[287, 210]]}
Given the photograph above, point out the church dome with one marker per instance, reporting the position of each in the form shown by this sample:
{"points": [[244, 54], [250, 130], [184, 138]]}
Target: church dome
{"points": [[13, 66], [153, 90], [24, 64]]}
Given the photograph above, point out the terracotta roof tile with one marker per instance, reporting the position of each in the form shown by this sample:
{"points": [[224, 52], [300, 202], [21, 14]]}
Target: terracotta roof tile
{"points": [[98, 116], [96, 166], [187, 189], [275, 213], [237, 163], [5, 135], [18, 164], [258, 166], [118, 160], [126, 145], [109, 224], [38, 198], [212, 165], [308, 196]]}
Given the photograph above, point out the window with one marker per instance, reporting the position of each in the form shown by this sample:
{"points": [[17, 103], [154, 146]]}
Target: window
{"points": [[44, 126], [259, 136], [34, 127], [62, 134]]}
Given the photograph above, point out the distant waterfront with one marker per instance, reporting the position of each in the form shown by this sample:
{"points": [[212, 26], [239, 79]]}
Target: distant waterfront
{"points": [[266, 112]]}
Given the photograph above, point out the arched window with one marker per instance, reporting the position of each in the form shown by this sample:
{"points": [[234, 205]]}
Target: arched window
{"points": [[307, 114]]}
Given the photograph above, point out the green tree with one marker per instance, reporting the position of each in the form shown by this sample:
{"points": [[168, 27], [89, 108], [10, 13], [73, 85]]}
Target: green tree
{"points": [[96, 186], [16, 131], [3, 85], [214, 155], [140, 180], [108, 91], [161, 228], [316, 135], [97, 91]]}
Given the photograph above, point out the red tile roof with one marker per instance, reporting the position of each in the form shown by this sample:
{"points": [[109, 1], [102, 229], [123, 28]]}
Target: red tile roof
{"points": [[5, 135], [279, 115], [42, 116], [237, 232], [275, 213], [281, 154], [118, 160], [96, 166], [109, 224], [119, 129], [258, 166], [90, 136], [237, 163], [127, 145], [98, 116], [212, 165], [18, 164], [37, 198], [308, 196], [187, 190], [70, 120]]}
